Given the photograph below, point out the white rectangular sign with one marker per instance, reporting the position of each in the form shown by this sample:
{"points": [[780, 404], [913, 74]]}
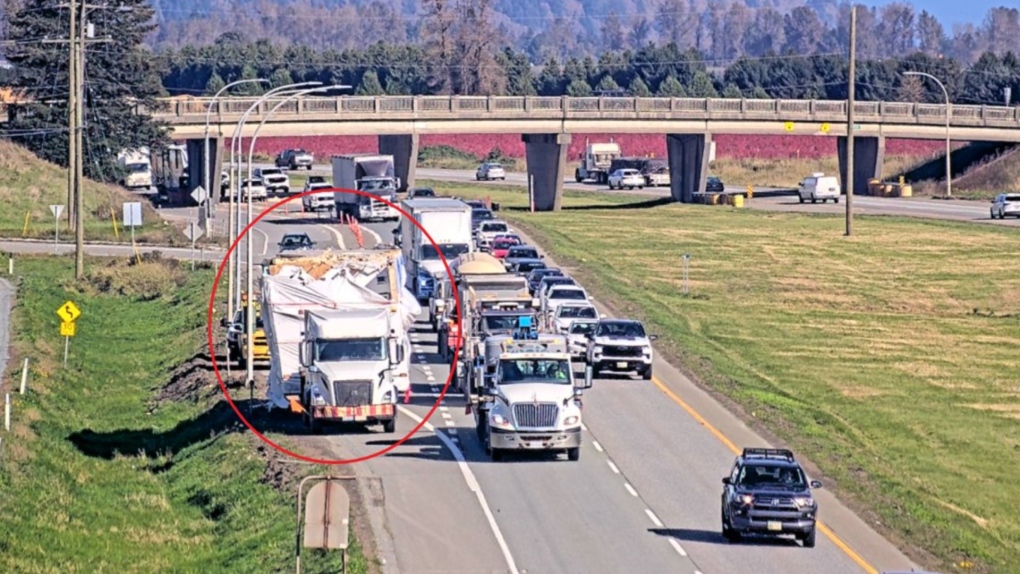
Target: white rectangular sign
{"points": [[132, 215]]}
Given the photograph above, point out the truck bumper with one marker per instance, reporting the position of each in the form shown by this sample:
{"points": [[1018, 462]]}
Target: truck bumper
{"points": [[772, 525], [367, 413], [535, 440], [621, 364]]}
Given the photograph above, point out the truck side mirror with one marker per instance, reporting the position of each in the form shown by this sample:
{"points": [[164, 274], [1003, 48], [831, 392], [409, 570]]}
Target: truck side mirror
{"points": [[305, 353], [394, 351], [587, 377]]}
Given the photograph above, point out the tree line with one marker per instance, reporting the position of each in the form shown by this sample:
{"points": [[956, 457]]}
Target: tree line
{"points": [[662, 70], [720, 30]]}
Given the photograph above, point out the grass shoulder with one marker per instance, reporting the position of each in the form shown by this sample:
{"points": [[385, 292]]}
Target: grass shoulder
{"points": [[128, 459], [885, 359]]}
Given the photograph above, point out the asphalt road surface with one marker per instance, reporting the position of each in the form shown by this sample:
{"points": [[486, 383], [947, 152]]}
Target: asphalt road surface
{"points": [[643, 498]]}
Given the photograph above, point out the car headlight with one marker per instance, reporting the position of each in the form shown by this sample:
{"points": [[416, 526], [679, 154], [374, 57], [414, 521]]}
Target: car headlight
{"points": [[597, 350], [317, 399], [571, 420], [499, 420], [804, 501], [745, 499]]}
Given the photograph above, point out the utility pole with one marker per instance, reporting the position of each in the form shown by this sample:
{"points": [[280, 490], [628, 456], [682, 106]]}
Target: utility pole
{"points": [[850, 147], [72, 111], [79, 172]]}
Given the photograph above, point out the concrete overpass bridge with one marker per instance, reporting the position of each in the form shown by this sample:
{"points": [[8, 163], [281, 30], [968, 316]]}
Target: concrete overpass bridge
{"points": [[547, 124]]}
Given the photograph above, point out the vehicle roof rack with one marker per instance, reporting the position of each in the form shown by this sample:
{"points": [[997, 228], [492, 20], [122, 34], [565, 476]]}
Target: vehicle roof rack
{"points": [[777, 453]]}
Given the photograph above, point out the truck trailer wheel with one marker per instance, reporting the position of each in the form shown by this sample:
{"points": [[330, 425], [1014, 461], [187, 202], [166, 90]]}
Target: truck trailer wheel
{"points": [[497, 455], [574, 454]]}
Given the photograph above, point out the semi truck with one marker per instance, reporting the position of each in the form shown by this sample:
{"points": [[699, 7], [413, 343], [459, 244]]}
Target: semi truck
{"points": [[137, 169], [529, 399], [371, 173], [596, 160], [448, 221], [338, 326], [170, 174]]}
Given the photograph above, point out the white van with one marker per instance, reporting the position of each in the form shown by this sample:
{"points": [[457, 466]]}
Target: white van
{"points": [[819, 186]]}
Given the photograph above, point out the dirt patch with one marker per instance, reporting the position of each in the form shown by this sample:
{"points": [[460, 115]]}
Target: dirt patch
{"points": [[195, 381], [144, 278]]}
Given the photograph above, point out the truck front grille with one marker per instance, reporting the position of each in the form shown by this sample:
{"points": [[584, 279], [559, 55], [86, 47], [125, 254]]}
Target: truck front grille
{"points": [[542, 415], [352, 393], [773, 503], [623, 351]]}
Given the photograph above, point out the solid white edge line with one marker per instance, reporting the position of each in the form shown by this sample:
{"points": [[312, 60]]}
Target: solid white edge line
{"points": [[472, 483], [630, 489], [376, 236], [676, 546], [613, 467], [584, 428], [336, 233], [597, 446], [265, 243], [655, 519]]}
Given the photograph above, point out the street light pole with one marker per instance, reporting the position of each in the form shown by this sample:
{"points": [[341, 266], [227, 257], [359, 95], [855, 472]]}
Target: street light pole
{"points": [[235, 175], [949, 173], [208, 184], [249, 244]]}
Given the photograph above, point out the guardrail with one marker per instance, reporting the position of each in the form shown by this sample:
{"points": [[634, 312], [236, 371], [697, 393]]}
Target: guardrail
{"points": [[537, 107]]}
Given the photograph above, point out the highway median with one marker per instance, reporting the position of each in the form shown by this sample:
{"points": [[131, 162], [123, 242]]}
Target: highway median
{"points": [[886, 359], [127, 459]]}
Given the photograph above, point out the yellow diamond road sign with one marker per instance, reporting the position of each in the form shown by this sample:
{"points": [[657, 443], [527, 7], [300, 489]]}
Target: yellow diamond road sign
{"points": [[67, 328], [825, 128], [69, 312], [789, 126]]}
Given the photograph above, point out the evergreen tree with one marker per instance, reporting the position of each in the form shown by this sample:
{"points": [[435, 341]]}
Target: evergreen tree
{"points": [[214, 85], [607, 84], [639, 88], [578, 88], [701, 86], [731, 91], [369, 85], [672, 88], [759, 93], [281, 77], [121, 77]]}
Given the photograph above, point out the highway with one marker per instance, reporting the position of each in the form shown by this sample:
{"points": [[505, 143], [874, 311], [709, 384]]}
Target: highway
{"points": [[775, 200], [643, 498]]}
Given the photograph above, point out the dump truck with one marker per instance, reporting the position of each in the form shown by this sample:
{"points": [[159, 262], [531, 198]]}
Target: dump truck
{"points": [[529, 397], [443, 305], [596, 160], [338, 327], [448, 222], [371, 173]]}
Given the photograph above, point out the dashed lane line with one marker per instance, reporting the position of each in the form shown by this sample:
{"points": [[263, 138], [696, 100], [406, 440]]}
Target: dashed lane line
{"points": [[472, 483], [655, 519]]}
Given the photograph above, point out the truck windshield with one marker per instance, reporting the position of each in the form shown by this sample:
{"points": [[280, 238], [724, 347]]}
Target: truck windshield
{"points": [[450, 251], [137, 167], [350, 350], [377, 185], [771, 475], [535, 371], [504, 322], [576, 312]]}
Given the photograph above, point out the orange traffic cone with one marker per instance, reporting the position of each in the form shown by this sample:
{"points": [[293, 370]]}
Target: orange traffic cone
{"points": [[407, 395]]}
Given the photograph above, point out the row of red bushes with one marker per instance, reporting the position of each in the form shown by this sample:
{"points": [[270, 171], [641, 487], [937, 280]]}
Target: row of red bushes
{"points": [[510, 145]]}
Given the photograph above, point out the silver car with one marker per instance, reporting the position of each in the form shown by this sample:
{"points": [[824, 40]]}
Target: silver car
{"points": [[489, 171], [1006, 204], [629, 178]]}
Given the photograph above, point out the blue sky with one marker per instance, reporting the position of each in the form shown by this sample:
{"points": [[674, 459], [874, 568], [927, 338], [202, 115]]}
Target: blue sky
{"points": [[951, 12]]}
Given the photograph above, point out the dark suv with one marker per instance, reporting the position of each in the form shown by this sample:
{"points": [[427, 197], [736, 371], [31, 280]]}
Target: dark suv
{"points": [[767, 492]]}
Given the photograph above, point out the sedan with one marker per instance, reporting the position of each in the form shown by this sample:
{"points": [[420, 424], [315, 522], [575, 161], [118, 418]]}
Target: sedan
{"points": [[501, 246], [296, 242], [629, 178], [1006, 204], [714, 185], [490, 171]]}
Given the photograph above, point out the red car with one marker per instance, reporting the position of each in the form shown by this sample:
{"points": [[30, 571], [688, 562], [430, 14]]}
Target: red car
{"points": [[502, 244]]}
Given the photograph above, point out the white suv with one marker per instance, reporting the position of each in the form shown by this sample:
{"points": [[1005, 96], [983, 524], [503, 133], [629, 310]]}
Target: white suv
{"points": [[325, 201], [1006, 204], [274, 179], [622, 346], [488, 230]]}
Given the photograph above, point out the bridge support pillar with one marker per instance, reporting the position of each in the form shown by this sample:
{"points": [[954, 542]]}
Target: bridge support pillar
{"points": [[688, 164], [198, 163], [547, 166], [869, 153], [404, 149]]}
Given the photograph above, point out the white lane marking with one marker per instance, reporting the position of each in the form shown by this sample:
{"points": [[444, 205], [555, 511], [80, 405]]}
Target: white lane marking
{"points": [[613, 467], [446, 415], [472, 483], [449, 423], [444, 409], [655, 519], [336, 233], [597, 446], [374, 235], [630, 489], [430, 378], [584, 428], [265, 242], [676, 546]]}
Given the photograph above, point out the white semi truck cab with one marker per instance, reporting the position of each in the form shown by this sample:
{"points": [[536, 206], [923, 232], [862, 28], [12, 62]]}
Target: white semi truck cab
{"points": [[531, 401], [351, 360], [371, 173], [448, 222]]}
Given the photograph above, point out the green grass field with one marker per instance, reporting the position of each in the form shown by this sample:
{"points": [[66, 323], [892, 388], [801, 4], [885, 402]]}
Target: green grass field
{"points": [[126, 461], [29, 186], [889, 359]]}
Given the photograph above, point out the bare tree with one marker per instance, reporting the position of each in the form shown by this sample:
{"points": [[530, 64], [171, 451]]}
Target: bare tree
{"points": [[613, 35], [1002, 29], [476, 69], [673, 23], [437, 34], [930, 34]]}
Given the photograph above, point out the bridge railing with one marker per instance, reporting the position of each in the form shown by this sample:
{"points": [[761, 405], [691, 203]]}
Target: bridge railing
{"points": [[191, 111]]}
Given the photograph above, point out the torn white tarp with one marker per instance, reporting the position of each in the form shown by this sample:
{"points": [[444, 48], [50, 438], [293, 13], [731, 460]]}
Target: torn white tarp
{"points": [[289, 294]]}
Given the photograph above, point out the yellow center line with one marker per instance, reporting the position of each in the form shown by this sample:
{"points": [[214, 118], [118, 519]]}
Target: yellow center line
{"points": [[736, 451]]}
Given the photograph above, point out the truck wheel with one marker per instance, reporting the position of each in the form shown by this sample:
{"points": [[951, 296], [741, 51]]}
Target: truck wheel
{"points": [[390, 426], [647, 373], [574, 454], [595, 372], [809, 539], [577, 176], [497, 455], [801, 199]]}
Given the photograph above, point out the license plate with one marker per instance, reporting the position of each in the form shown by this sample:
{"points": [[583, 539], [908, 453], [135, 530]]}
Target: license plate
{"points": [[775, 526], [621, 365]]}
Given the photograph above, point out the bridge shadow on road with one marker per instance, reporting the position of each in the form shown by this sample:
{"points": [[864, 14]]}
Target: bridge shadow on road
{"points": [[644, 204]]}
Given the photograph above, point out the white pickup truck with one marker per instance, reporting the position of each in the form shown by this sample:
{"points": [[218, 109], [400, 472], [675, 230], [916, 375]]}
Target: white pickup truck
{"points": [[622, 346]]}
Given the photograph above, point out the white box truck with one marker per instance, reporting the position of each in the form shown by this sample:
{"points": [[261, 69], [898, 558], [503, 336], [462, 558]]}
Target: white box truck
{"points": [[371, 173], [448, 221], [137, 169]]}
